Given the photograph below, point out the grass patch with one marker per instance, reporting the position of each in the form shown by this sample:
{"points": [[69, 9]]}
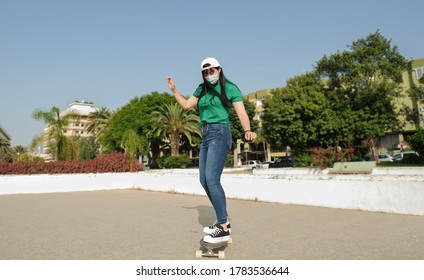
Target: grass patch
{"points": [[400, 164]]}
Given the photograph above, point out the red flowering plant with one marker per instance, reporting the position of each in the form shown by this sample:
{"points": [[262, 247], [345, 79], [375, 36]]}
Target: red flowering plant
{"points": [[112, 162], [326, 157]]}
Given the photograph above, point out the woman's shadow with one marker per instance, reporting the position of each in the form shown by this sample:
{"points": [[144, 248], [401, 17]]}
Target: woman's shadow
{"points": [[206, 217], [206, 214]]}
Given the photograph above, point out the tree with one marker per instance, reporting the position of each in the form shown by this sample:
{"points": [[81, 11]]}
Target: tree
{"points": [[136, 115], [237, 130], [87, 148], [36, 143], [365, 82], [60, 146], [20, 153], [299, 115], [417, 142], [6, 151], [416, 92], [99, 120], [349, 97], [174, 122], [132, 144]]}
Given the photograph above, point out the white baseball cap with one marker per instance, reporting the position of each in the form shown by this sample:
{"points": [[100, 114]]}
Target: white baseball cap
{"points": [[209, 62]]}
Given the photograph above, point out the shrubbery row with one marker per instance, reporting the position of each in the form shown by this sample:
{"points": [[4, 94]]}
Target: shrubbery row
{"points": [[113, 162]]}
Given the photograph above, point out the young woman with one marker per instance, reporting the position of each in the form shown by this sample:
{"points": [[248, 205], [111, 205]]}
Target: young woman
{"points": [[214, 98]]}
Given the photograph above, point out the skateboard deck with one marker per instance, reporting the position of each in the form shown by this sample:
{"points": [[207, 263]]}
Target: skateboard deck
{"points": [[212, 249]]}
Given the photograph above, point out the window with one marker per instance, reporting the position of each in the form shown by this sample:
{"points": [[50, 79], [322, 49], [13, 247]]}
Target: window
{"points": [[419, 72], [259, 102]]}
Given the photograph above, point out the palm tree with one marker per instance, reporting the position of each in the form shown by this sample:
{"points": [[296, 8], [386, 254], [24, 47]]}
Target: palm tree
{"points": [[99, 120], [61, 147], [6, 151], [174, 122], [20, 153], [36, 142], [21, 149]]}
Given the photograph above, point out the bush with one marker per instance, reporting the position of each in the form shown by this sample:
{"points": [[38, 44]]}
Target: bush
{"points": [[417, 142], [326, 157], [176, 161], [303, 159], [229, 162], [113, 162], [412, 158], [401, 163]]}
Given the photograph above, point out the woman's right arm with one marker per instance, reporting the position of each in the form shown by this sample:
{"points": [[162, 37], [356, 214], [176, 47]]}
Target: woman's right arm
{"points": [[185, 103]]}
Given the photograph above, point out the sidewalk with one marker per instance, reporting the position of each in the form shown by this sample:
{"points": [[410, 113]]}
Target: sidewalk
{"points": [[137, 225]]}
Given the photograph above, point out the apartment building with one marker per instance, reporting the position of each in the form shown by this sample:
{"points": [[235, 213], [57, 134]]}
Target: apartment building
{"points": [[416, 73], [83, 109], [76, 128], [4, 134], [395, 141]]}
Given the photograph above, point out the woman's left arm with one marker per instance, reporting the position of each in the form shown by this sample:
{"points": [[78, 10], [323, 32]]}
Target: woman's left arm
{"points": [[244, 120]]}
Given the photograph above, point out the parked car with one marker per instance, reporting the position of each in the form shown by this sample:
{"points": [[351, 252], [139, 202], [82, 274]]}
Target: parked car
{"points": [[253, 164], [287, 161], [266, 164], [193, 163], [385, 158], [405, 155]]}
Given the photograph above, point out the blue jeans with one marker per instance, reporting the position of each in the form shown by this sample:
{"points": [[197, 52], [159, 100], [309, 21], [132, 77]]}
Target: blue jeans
{"points": [[216, 143]]}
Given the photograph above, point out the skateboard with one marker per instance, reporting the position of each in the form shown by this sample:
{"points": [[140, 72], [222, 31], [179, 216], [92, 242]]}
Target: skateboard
{"points": [[212, 249]]}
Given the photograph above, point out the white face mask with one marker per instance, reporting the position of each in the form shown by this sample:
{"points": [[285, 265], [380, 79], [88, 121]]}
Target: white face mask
{"points": [[213, 79]]}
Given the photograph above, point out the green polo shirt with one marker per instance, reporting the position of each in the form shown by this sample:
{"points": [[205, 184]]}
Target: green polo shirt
{"points": [[211, 108]]}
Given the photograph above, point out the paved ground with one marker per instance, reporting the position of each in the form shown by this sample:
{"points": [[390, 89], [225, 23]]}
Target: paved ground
{"points": [[142, 225]]}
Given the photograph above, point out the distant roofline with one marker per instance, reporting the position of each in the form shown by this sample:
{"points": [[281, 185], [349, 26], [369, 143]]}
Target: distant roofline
{"points": [[5, 133], [261, 93], [82, 102], [416, 63], [81, 107]]}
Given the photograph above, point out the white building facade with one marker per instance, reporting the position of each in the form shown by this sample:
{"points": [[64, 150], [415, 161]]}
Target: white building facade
{"points": [[75, 128]]}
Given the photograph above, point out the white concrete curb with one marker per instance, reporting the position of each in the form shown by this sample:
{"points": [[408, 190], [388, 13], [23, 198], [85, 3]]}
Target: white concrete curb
{"points": [[391, 190]]}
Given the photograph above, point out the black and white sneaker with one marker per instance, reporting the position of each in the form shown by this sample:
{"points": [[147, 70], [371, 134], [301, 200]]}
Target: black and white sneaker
{"points": [[210, 229], [218, 235]]}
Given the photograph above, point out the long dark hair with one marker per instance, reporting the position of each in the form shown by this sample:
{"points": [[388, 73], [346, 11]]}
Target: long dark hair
{"points": [[207, 86]]}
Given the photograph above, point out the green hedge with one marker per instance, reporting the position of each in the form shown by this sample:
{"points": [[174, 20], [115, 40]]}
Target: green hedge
{"points": [[180, 161]]}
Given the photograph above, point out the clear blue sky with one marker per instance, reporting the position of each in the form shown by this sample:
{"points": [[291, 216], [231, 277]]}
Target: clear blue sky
{"points": [[53, 52]]}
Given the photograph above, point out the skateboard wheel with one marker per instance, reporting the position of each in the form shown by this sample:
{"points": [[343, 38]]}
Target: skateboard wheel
{"points": [[199, 254], [221, 255], [230, 241]]}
